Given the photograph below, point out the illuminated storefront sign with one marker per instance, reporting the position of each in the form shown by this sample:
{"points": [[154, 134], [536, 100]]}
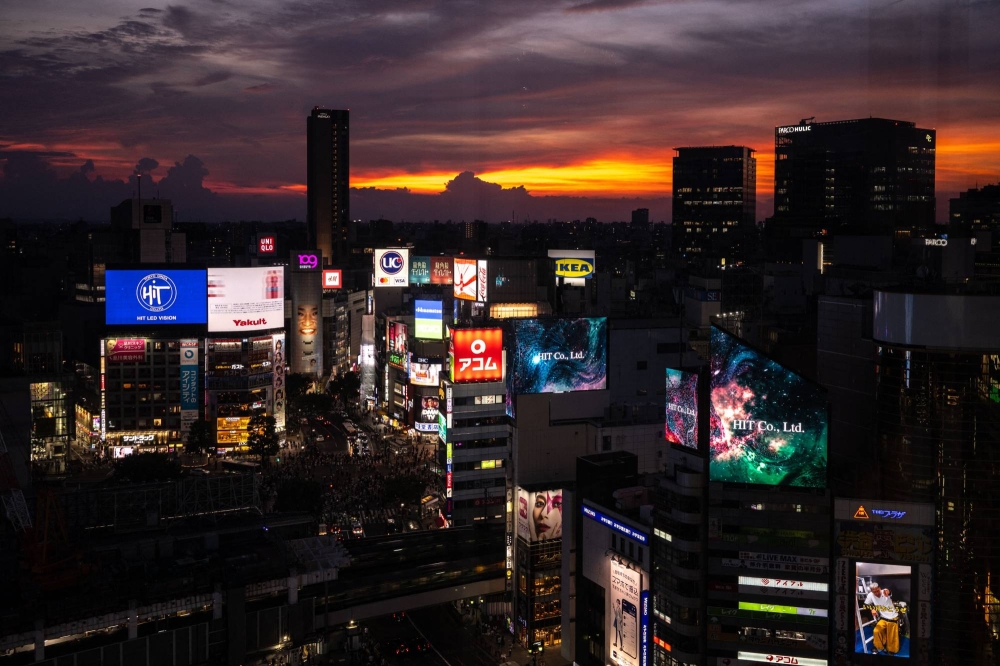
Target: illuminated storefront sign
{"points": [[332, 279], [784, 610], [779, 659], [477, 355], [392, 268], [574, 268], [265, 245], [621, 528], [308, 262], [126, 351], [189, 383], [794, 129]]}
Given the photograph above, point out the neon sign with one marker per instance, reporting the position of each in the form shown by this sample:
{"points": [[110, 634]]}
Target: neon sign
{"points": [[308, 261], [630, 532]]}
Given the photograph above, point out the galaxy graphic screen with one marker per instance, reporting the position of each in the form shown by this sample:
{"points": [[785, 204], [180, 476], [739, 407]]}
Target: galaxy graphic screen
{"points": [[768, 425], [682, 408], [560, 355]]}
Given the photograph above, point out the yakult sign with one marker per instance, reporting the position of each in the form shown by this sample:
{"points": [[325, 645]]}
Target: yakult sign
{"points": [[392, 268]]}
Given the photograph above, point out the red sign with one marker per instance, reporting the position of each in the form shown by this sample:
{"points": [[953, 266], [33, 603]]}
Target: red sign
{"points": [[441, 270], [465, 279], [332, 279], [477, 355], [265, 245], [126, 351]]}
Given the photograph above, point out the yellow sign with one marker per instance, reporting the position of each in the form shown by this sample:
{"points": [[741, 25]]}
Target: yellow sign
{"points": [[575, 267], [232, 423], [861, 514]]}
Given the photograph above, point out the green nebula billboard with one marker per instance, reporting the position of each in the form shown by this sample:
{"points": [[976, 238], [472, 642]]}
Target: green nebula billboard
{"points": [[768, 424]]}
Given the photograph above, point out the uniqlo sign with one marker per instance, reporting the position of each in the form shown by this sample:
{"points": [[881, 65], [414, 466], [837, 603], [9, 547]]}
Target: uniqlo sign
{"points": [[265, 245], [477, 355]]}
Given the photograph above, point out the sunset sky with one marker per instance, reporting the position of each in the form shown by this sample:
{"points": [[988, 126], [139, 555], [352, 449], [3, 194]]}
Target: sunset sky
{"points": [[575, 98]]}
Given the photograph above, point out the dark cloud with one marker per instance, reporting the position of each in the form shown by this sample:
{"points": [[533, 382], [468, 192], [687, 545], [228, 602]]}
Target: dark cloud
{"points": [[260, 88], [605, 5]]}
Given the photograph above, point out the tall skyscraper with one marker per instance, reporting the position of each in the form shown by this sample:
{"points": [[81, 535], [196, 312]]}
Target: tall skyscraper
{"points": [[870, 172], [328, 181], [715, 196]]}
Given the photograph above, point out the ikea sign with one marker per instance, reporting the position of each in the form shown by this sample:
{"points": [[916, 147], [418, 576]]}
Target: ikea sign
{"points": [[576, 267]]}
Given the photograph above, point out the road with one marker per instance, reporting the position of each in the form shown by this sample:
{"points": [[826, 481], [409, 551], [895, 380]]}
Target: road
{"points": [[452, 640]]}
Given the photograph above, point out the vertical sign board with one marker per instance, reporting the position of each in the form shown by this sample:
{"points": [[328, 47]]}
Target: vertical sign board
{"points": [[482, 278], [644, 638], [420, 270], [104, 397], [189, 384], [623, 630], [279, 382]]}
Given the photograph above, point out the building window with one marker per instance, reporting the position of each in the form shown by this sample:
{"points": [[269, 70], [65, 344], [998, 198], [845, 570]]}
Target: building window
{"points": [[640, 365]]}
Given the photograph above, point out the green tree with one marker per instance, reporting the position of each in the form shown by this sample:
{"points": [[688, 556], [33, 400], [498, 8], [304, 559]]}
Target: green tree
{"points": [[262, 440], [296, 384], [201, 438], [346, 387], [146, 468]]}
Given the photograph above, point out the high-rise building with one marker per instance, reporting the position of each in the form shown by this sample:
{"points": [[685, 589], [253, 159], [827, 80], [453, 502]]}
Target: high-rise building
{"points": [[937, 412], [866, 172], [328, 181], [976, 209], [715, 197]]}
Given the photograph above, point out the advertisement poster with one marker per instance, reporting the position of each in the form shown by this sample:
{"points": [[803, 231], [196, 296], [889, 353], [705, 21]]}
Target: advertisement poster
{"points": [[278, 379], [482, 280], [245, 299], [427, 319], [477, 355], [882, 599], [624, 619], [539, 515], [768, 424], [392, 268], [427, 409], [307, 324], [424, 372], [126, 351], [682, 408], [155, 297], [466, 279], [560, 355], [189, 384], [396, 344], [441, 271], [420, 270]]}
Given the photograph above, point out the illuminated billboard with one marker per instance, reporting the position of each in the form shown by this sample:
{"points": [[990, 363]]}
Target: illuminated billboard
{"points": [[427, 318], [882, 601], [424, 372], [477, 355], [397, 349], [624, 622], [441, 270], [482, 280], [420, 270], [559, 355], [126, 351], [539, 514], [333, 278], [427, 408], [392, 268], [466, 279], [768, 424], [156, 296], [573, 267], [265, 244], [682, 408], [245, 299]]}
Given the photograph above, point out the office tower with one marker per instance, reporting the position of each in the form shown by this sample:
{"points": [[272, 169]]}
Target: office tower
{"points": [[328, 182], [870, 172], [715, 197], [937, 418], [976, 209]]}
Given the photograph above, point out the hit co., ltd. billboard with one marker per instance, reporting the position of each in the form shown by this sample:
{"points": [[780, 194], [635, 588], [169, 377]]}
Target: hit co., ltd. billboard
{"points": [[560, 355], [768, 424], [245, 299], [682, 408], [156, 296]]}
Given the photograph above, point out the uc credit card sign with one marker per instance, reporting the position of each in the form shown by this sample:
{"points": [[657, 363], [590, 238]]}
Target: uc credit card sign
{"points": [[156, 296]]}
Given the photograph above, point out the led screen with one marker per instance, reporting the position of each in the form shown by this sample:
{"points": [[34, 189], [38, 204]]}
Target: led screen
{"points": [[245, 299], [424, 373], [466, 279], [625, 619], [476, 355], [427, 317], [539, 514], [427, 408], [441, 270], [882, 601], [768, 424], [155, 296], [396, 344], [560, 355], [682, 408], [420, 270]]}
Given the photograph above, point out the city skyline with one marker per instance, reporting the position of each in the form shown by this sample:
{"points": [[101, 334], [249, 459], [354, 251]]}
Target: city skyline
{"points": [[566, 100]]}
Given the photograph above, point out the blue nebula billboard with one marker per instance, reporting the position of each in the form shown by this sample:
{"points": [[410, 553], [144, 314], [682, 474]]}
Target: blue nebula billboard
{"points": [[768, 425], [559, 355], [156, 296], [682, 408]]}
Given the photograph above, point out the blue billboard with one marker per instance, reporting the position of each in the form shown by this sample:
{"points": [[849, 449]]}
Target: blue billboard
{"points": [[559, 355], [156, 296], [428, 317]]}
